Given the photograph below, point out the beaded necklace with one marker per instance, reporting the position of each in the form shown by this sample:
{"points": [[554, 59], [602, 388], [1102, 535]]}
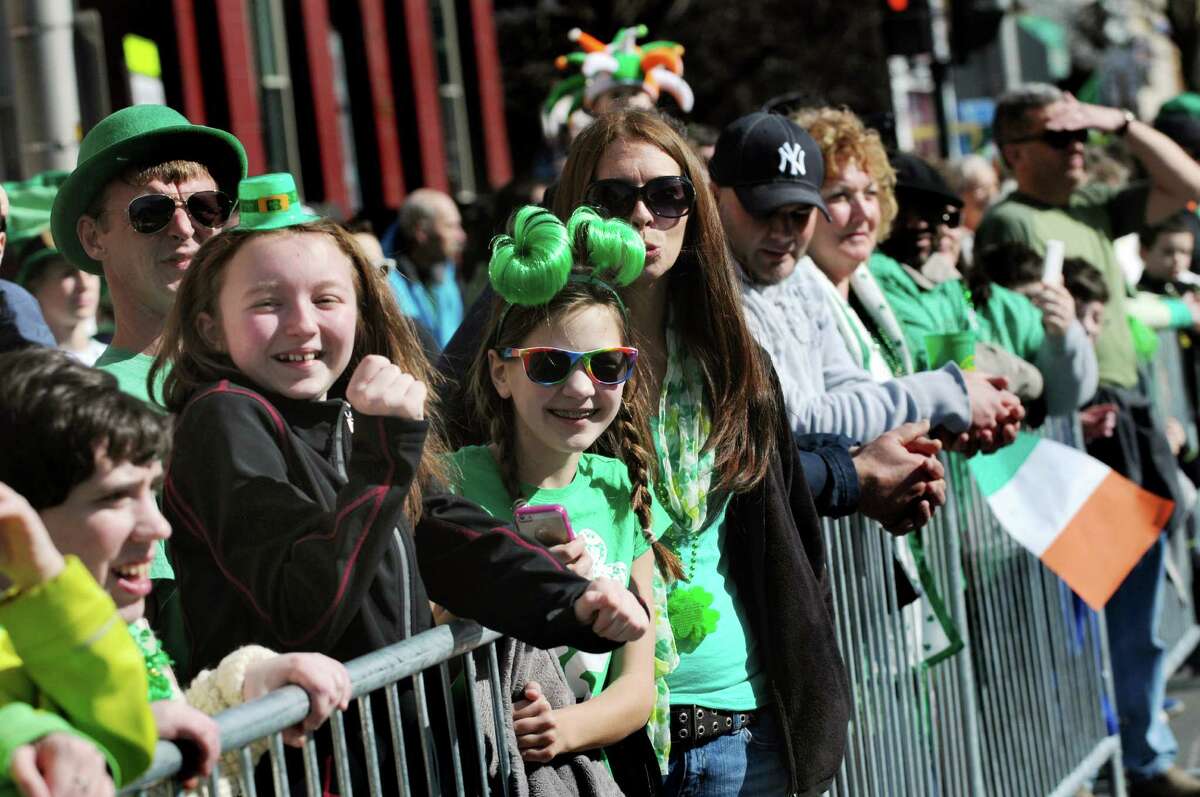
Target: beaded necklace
{"points": [[158, 663], [681, 428]]}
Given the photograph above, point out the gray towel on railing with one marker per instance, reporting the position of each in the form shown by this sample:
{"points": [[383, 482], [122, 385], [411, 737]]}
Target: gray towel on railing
{"points": [[570, 775]]}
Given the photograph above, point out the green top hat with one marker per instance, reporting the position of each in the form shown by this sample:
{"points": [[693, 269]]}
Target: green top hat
{"points": [[270, 202], [137, 137]]}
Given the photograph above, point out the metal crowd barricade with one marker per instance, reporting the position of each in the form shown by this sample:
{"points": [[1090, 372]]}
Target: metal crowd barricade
{"points": [[381, 673], [1024, 708]]}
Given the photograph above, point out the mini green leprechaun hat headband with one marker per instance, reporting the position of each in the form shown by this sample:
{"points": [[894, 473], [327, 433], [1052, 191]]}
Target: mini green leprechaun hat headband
{"points": [[530, 266], [270, 202]]}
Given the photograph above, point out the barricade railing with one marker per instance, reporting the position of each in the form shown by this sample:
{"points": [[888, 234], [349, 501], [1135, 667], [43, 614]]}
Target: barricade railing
{"points": [[381, 681], [1025, 707], [995, 680]]}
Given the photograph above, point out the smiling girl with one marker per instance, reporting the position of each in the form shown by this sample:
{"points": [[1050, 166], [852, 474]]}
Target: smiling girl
{"points": [[555, 378]]}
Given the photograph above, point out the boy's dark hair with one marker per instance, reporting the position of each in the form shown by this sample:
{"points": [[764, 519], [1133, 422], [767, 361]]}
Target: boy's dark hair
{"points": [[1176, 222], [1084, 281], [55, 413], [1009, 264]]}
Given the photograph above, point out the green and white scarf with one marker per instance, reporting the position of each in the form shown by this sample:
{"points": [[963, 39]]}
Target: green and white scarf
{"points": [[681, 427]]}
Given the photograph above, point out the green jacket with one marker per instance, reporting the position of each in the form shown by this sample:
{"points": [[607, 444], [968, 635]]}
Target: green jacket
{"points": [[1066, 366], [1007, 319], [68, 663]]}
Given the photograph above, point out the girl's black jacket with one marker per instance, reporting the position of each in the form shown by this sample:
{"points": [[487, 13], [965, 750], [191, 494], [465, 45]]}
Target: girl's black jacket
{"points": [[290, 532]]}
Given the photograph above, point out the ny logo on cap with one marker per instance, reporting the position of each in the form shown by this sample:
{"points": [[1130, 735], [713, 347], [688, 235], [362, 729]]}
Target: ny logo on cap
{"points": [[792, 155]]}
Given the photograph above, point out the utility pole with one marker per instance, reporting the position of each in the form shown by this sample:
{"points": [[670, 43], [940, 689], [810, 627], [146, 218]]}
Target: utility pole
{"points": [[45, 91], [942, 67]]}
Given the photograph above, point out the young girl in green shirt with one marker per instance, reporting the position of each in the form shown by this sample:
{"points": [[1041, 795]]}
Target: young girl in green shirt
{"points": [[555, 379]]}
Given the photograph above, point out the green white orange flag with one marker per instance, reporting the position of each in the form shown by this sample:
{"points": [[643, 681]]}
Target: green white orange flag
{"points": [[1087, 523]]}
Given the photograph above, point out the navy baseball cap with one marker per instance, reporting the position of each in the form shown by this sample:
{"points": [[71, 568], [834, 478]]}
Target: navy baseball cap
{"points": [[21, 322], [770, 162]]}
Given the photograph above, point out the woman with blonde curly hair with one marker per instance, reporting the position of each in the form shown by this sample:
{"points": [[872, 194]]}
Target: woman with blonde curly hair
{"points": [[859, 191]]}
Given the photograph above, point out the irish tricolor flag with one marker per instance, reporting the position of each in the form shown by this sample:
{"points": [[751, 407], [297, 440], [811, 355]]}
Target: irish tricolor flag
{"points": [[1085, 522]]}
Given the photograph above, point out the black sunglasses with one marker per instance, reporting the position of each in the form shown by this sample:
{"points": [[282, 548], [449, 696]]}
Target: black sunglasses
{"points": [[1059, 139], [666, 197], [150, 213]]}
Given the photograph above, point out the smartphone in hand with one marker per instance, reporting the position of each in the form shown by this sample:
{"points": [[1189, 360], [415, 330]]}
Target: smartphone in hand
{"points": [[546, 525]]}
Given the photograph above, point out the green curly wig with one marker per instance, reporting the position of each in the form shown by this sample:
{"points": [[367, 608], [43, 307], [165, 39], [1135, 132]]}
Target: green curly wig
{"points": [[532, 264]]}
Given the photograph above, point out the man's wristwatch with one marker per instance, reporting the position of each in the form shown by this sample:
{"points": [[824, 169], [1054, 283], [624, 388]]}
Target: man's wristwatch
{"points": [[1130, 116]]}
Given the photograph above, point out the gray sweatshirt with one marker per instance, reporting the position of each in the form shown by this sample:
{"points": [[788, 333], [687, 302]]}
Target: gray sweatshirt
{"points": [[824, 389]]}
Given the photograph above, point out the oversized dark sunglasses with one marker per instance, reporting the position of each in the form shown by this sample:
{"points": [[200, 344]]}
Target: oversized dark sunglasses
{"points": [[1059, 139], [150, 213], [666, 197], [549, 366]]}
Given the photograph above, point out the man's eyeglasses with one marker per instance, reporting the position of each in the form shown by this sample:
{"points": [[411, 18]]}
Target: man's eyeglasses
{"points": [[548, 366], [666, 197], [150, 213], [1059, 139], [938, 215]]}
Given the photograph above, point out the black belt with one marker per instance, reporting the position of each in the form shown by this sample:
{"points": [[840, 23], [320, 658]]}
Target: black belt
{"points": [[692, 726]]}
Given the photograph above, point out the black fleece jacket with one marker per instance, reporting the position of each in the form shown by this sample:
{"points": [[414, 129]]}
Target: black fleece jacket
{"points": [[290, 532], [777, 560]]}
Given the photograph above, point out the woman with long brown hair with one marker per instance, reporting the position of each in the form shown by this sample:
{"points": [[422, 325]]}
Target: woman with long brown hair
{"points": [[759, 699]]}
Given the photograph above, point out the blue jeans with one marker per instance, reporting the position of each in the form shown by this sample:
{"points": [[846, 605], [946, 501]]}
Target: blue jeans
{"points": [[747, 762], [1138, 661]]}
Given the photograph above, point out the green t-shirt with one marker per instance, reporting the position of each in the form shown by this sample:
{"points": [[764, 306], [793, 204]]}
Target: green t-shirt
{"points": [[725, 670], [1094, 216], [132, 370], [599, 507], [1007, 319]]}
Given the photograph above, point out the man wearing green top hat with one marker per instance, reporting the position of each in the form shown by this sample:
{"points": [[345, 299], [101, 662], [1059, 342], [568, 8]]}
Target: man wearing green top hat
{"points": [[148, 189]]}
